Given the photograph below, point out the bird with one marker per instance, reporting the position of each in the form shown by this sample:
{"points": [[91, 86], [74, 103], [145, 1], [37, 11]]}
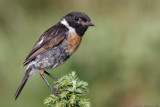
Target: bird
{"points": [[54, 47]]}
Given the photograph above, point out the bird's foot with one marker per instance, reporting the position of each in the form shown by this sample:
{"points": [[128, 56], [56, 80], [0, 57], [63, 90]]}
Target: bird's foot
{"points": [[57, 91]]}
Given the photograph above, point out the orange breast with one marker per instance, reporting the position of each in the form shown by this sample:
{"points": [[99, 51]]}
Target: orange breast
{"points": [[74, 41]]}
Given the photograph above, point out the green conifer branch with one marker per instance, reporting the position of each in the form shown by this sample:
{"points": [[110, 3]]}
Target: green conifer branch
{"points": [[74, 97]]}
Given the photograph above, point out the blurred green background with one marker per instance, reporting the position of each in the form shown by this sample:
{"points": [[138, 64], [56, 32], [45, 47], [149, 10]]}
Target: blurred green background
{"points": [[119, 58]]}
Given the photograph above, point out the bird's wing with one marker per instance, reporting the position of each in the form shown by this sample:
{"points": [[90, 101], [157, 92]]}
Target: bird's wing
{"points": [[48, 40]]}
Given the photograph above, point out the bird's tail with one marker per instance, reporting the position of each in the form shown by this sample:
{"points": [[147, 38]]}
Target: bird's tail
{"points": [[23, 82]]}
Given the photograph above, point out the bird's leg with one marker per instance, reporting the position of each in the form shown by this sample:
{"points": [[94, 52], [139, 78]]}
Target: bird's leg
{"points": [[55, 92], [55, 80], [51, 75]]}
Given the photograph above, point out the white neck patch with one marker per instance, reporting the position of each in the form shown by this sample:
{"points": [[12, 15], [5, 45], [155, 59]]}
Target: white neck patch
{"points": [[65, 23]]}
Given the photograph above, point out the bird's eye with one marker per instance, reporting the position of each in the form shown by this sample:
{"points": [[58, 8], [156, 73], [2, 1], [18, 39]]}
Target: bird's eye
{"points": [[76, 18]]}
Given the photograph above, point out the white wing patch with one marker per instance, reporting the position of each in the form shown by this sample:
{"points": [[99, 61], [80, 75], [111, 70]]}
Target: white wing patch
{"points": [[40, 41]]}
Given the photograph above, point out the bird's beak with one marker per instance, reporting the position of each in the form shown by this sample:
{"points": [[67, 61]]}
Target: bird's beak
{"points": [[89, 24]]}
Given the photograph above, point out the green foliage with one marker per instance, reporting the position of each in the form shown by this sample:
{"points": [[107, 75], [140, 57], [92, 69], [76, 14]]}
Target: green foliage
{"points": [[74, 97]]}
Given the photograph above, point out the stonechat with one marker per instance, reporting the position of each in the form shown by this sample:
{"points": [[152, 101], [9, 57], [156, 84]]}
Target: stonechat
{"points": [[55, 46]]}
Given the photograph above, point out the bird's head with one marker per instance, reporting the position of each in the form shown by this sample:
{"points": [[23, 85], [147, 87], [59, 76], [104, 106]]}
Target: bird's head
{"points": [[77, 20]]}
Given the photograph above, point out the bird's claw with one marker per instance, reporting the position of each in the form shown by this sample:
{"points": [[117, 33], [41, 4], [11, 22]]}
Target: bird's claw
{"points": [[57, 92]]}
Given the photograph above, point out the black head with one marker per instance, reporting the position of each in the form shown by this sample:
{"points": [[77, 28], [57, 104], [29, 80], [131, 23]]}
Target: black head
{"points": [[77, 20]]}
